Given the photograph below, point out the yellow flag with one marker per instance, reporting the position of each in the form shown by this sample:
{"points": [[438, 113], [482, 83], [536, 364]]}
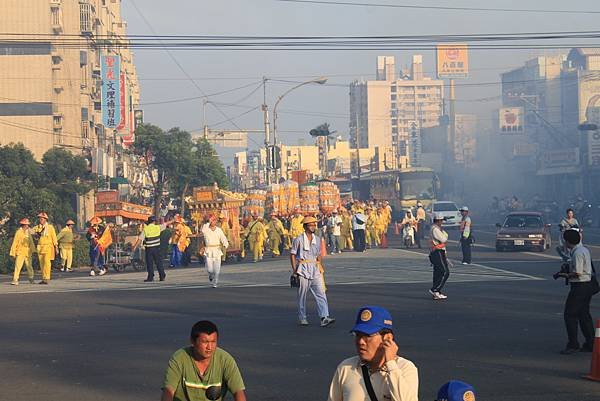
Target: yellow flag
{"points": [[105, 240]]}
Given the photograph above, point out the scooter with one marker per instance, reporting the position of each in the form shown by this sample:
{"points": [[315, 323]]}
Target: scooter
{"points": [[408, 235]]}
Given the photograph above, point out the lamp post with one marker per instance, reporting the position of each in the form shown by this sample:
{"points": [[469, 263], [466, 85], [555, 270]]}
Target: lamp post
{"points": [[320, 81]]}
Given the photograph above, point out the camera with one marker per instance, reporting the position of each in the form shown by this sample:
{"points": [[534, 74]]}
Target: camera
{"points": [[564, 269]]}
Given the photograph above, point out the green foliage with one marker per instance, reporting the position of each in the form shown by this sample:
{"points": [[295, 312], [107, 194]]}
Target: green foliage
{"points": [[29, 186], [179, 162]]}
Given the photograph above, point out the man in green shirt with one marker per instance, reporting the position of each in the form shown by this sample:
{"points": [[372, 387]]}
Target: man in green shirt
{"points": [[192, 370]]}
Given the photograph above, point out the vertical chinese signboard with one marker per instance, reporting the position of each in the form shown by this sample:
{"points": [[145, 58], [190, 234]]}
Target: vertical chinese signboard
{"points": [[414, 148], [452, 60], [111, 91]]}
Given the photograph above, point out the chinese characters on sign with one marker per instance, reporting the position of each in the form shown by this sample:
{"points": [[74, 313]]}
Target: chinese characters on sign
{"points": [[414, 144], [452, 61], [511, 120], [111, 91]]}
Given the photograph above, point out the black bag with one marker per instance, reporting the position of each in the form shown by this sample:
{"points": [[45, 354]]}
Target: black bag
{"points": [[594, 281], [294, 281]]}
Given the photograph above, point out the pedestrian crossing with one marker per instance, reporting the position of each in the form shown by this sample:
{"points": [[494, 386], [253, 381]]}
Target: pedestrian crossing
{"points": [[377, 266]]}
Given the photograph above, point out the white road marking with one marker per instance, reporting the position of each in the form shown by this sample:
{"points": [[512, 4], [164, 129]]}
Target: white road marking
{"points": [[541, 255], [525, 276]]}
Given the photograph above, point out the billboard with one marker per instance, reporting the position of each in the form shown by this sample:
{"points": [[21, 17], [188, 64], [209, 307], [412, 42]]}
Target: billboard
{"points": [[452, 60], [111, 90], [560, 161], [593, 138], [511, 120]]}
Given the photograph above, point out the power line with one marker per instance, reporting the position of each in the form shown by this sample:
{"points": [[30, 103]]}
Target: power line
{"points": [[446, 8], [177, 62]]}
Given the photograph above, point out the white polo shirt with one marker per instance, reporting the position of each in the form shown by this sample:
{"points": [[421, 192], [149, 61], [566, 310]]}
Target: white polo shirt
{"points": [[397, 380]]}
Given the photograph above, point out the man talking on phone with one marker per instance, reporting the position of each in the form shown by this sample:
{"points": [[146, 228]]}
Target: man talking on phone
{"points": [[377, 372]]}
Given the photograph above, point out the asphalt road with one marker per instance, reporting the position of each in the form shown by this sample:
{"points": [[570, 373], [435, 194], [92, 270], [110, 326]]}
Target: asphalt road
{"points": [[110, 337]]}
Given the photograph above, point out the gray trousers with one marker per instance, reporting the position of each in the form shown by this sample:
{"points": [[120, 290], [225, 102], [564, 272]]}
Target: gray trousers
{"points": [[318, 290]]}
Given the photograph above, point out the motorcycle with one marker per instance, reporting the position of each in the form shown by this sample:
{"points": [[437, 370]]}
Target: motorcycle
{"points": [[408, 235]]}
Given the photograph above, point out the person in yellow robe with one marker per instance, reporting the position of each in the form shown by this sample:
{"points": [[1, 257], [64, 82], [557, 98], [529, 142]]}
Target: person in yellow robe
{"points": [[22, 248], [346, 230], [381, 224], [275, 232], [178, 241], [257, 234], [371, 234], [65, 246], [47, 245], [296, 227]]}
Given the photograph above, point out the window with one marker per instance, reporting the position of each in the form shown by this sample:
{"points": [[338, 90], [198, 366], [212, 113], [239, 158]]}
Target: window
{"points": [[393, 97], [394, 88], [86, 17], [55, 15], [85, 130]]}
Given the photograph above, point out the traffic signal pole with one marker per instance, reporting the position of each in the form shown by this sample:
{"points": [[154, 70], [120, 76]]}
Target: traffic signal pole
{"points": [[267, 124]]}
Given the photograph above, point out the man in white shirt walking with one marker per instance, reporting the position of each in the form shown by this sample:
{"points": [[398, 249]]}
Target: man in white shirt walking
{"points": [[377, 372], [214, 238]]}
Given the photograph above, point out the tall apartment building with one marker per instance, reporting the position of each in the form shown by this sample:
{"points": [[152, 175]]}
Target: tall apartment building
{"points": [[383, 112], [50, 78]]}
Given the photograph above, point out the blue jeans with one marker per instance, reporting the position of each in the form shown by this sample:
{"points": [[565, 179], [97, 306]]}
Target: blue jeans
{"points": [[176, 256]]}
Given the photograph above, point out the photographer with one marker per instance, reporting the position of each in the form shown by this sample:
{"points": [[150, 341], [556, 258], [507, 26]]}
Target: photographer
{"points": [[584, 285]]}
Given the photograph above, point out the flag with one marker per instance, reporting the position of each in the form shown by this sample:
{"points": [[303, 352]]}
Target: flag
{"points": [[105, 240]]}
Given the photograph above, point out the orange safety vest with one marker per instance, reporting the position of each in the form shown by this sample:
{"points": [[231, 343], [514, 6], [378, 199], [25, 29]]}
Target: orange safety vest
{"points": [[435, 245]]}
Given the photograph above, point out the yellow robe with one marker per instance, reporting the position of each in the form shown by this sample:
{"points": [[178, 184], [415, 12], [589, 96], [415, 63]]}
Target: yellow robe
{"points": [[46, 248], [22, 248], [296, 227], [275, 231], [256, 237]]}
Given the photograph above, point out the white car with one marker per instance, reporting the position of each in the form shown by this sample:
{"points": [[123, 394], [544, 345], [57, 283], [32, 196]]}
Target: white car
{"points": [[448, 210]]}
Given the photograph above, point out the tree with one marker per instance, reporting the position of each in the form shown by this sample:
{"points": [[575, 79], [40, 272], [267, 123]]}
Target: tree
{"points": [[66, 173], [201, 167], [165, 154], [29, 186]]}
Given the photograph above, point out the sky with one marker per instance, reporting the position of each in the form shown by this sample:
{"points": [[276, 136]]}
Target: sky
{"points": [[214, 71]]}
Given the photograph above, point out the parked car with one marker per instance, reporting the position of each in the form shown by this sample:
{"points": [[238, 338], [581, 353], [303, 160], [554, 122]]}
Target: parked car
{"points": [[448, 210], [523, 230]]}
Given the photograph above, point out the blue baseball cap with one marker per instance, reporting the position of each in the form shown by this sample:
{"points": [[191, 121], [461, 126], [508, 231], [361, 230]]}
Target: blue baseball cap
{"points": [[456, 390], [372, 319]]}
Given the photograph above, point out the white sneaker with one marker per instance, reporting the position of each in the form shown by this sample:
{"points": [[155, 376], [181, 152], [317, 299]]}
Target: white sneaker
{"points": [[435, 295], [442, 296], [303, 322], [14, 283], [465, 263], [92, 272], [214, 285], [326, 321], [102, 272], [62, 269]]}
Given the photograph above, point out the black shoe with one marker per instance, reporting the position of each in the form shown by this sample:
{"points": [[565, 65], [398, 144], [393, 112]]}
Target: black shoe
{"points": [[569, 351], [43, 282], [148, 280], [162, 278]]}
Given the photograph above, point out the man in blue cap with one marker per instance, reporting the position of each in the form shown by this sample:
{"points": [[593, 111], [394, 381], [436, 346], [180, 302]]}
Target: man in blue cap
{"points": [[456, 390], [376, 372]]}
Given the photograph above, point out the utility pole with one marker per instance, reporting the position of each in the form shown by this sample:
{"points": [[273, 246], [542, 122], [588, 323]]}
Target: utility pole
{"points": [[205, 130], [267, 125]]}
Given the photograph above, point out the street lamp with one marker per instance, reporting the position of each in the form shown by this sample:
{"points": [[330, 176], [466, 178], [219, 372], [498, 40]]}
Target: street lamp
{"points": [[320, 81]]}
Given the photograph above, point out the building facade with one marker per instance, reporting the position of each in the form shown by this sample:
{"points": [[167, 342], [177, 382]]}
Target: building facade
{"points": [[50, 79], [385, 112]]}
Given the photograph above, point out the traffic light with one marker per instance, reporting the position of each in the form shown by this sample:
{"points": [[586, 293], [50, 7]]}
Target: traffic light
{"points": [[273, 157]]}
